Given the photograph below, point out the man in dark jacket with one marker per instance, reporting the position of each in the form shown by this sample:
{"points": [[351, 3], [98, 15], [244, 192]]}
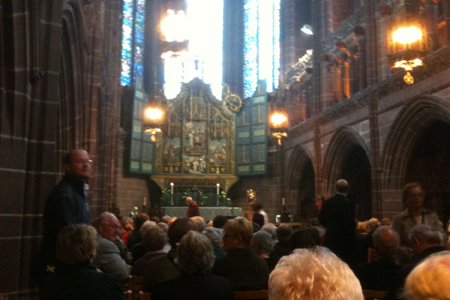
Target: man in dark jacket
{"points": [[67, 204], [241, 266], [338, 217]]}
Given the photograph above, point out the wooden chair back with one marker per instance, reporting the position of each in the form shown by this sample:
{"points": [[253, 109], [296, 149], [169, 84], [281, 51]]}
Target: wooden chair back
{"points": [[253, 295], [144, 296], [374, 295], [128, 295], [136, 286]]}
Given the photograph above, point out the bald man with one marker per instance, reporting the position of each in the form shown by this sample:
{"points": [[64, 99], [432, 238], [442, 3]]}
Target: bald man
{"points": [[193, 209], [338, 217], [66, 204]]}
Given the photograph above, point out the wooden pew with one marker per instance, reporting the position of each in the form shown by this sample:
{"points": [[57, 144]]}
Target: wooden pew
{"points": [[253, 295], [374, 295]]}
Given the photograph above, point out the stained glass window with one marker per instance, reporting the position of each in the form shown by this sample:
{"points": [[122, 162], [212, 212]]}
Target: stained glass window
{"points": [[133, 30], [262, 44], [204, 56]]}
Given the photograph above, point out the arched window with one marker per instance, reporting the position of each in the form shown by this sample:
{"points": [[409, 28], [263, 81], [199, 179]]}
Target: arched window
{"points": [[133, 33], [262, 44], [203, 58]]}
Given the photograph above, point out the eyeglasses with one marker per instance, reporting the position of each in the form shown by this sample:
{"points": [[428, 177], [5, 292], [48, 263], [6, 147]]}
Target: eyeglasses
{"points": [[79, 161]]}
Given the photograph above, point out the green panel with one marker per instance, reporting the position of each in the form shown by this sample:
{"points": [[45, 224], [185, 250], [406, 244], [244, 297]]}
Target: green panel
{"points": [[252, 141], [142, 149]]}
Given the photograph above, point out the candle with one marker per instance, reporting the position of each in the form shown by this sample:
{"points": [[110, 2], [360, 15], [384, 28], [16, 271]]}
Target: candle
{"points": [[218, 186], [283, 202], [145, 201], [171, 188]]}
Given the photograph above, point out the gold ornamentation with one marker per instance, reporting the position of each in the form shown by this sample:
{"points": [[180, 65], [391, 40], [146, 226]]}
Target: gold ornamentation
{"points": [[232, 101]]}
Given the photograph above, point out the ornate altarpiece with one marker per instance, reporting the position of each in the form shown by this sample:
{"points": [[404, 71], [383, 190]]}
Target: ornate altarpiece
{"points": [[197, 146]]}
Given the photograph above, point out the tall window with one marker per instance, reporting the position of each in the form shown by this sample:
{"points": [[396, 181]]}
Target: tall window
{"points": [[133, 30], [203, 59], [262, 44]]}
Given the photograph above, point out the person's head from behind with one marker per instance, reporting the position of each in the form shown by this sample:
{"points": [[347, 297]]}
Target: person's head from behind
{"points": [[429, 280], [215, 235], [256, 206], [258, 219], [303, 238], [153, 237], [108, 226], [424, 236], [261, 243], [163, 226], [195, 253], [179, 228], [76, 244], [126, 223], [201, 225], [313, 274], [342, 186], [77, 163], [413, 195], [386, 241], [238, 233], [284, 232], [271, 229], [139, 220], [386, 221], [219, 221]]}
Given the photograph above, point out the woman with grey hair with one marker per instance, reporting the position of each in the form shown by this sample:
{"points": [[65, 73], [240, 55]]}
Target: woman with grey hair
{"points": [[153, 239], [215, 235], [77, 277], [195, 259], [261, 245]]}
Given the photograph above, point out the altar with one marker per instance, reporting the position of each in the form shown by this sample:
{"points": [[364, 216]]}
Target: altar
{"points": [[207, 212]]}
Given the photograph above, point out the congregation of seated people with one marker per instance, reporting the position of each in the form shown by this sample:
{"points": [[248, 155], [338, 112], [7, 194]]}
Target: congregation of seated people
{"points": [[193, 258]]}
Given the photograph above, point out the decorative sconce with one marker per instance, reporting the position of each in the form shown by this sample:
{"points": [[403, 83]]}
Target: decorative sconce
{"points": [[408, 44], [153, 119], [279, 123]]}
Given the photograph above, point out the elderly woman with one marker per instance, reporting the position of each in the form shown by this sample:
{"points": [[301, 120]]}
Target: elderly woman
{"points": [[195, 258], [215, 235], [153, 239], [261, 245], [78, 277], [241, 266]]}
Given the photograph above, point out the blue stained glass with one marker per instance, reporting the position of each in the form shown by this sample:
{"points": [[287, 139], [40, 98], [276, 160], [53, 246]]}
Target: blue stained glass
{"points": [[139, 38], [127, 41], [250, 47], [262, 44]]}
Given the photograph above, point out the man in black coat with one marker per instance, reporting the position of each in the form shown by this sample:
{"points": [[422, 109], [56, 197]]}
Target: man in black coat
{"points": [[66, 204], [338, 217]]}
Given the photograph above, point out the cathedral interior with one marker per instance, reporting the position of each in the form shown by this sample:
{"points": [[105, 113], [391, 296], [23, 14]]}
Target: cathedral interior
{"points": [[359, 103]]}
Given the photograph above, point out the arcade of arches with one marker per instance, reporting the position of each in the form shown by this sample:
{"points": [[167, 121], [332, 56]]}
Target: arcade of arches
{"points": [[352, 116]]}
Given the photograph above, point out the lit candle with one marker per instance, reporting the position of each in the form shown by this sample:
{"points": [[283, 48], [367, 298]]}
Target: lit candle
{"points": [[283, 202], [218, 186], [171, 188]]}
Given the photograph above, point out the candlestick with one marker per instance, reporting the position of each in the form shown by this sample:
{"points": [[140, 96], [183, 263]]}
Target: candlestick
{"points": [[283, 202], [218, 186], [171, 188]]}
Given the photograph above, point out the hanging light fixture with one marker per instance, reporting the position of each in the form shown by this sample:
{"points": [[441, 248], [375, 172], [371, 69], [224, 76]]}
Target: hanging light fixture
{"points": [[154, 114], [408, 43], [279, 123], [174, 28]]}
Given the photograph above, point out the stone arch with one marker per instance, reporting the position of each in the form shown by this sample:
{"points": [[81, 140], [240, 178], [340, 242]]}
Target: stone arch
{"points": [[418, 149], [301, 183], [72, 120], [419, 113], [344, 139], [347, 157]]}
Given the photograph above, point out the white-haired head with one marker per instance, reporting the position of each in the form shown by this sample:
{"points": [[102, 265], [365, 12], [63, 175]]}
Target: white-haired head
{"points": [[313, 274], [429, 280]]}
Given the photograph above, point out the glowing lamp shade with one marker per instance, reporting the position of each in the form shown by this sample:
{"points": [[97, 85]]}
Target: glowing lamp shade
{"points": [[407, 35], [175, 26], [153, 113], [278, 119]]}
